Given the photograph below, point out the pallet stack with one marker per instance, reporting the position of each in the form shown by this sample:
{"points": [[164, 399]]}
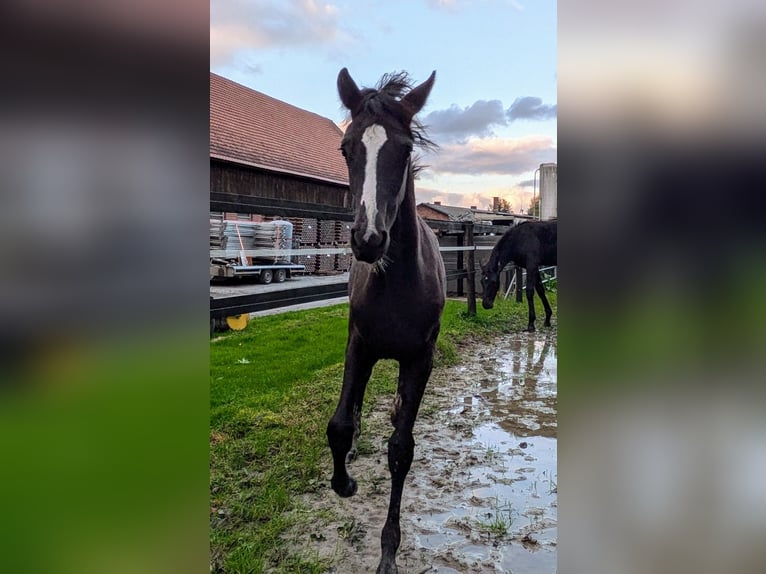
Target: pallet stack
{"points": [[325, 263], [311, 233], [326, 240], [342, 233], [327, 232], [343, 239], [304, 230], [273, 235], [305, 237], [309, 261], [218, 239], [343, 262]]}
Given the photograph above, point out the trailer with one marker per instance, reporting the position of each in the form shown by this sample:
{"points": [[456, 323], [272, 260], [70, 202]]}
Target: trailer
{"points": [[266, 273]]}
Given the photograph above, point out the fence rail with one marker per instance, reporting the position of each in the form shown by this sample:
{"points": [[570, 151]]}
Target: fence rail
{"points": [[464, 271]]}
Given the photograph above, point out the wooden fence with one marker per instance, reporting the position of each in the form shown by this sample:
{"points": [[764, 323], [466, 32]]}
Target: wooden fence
{"points": [[464, 245]]}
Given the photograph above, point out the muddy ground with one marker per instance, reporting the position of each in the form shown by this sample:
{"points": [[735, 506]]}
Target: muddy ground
{"points": [[481, 495]]}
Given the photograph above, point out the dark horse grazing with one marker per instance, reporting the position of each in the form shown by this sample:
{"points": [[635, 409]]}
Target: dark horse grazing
{"points": [[397, 280], [528, 245]]}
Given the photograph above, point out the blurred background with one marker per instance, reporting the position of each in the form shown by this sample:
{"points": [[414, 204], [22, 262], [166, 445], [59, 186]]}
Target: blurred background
{"points": [[104, 328], [103, 211], [661, 147]]}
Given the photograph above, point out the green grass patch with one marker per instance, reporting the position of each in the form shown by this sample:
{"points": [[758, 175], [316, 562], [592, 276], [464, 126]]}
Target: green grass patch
{"points": [[273, 387], [497, 522]]}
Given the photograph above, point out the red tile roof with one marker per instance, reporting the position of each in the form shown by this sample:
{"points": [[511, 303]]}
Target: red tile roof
{"points": [[251, 128]]}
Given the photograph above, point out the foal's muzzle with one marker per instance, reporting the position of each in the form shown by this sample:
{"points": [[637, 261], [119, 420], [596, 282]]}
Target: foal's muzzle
{"points": [[368, 247], [487, 304]]}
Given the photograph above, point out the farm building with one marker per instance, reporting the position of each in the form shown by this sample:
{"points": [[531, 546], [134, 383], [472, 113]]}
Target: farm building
{"points": [[272, 160], [267, 156], [437, 212]]}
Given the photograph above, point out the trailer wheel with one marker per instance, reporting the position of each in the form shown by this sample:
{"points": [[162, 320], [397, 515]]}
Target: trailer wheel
{"points": [[266, 276], [280, 275]]}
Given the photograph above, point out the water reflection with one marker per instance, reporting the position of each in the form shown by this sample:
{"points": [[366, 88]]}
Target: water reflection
{"points": [[521, 393], [498, 469]]}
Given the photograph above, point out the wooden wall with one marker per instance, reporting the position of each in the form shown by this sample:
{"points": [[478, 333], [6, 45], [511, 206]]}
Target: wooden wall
{"points": [[241, 180]]}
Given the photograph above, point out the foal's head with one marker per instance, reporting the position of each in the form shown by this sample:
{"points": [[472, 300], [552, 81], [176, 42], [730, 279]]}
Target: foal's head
{"points": [[377, 147], [490, 283]]}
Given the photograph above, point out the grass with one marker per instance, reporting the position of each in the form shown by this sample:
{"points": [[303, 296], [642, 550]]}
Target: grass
{"points": [[498, 521], [273, 387]]}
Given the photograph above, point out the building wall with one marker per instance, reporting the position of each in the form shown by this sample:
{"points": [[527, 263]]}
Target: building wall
{"points": [[242, 180]]}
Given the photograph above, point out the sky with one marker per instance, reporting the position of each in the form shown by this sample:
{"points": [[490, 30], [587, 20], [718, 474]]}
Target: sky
{"points": [[492, 110]]}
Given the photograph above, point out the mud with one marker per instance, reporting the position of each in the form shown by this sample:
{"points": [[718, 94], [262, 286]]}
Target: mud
{"points": [[481, 495]]}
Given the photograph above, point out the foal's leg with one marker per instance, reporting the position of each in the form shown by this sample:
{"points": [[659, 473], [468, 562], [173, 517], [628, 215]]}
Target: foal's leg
{"points": [[343, 427], [540, 288], [413, 377], [533, 276]]}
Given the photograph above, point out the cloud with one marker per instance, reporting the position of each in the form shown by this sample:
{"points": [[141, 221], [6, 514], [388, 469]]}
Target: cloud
{"points": [[518, 198], [493, 156], [531, 108], [453, 4], [442, 4], [457, 199], [237, 25], [457, 123]]}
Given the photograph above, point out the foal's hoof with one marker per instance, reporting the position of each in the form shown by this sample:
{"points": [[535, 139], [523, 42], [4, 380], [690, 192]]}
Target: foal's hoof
{"points": [[530, 329], [547, 324], [344, 488]]}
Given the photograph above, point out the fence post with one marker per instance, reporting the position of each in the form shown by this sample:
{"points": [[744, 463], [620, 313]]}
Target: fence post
{"points": [[471, 265], [460, 266], [519, 279]]}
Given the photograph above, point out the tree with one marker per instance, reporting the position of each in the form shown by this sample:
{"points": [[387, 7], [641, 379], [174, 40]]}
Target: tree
{"points": [[500, 204], [534, 207]]}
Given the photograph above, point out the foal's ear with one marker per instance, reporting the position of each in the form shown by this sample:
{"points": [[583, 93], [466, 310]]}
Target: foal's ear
{"points": [[348, 91], [416, 98]]}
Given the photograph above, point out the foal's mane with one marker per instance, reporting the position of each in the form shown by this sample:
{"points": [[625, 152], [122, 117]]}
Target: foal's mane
{"points": [[386, 99], [502, 245]]}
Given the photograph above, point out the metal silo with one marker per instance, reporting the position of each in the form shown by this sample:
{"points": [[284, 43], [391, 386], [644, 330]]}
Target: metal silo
{"points": [[548, 191]]}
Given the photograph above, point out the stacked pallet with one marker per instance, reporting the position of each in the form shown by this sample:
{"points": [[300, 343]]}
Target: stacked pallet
{"points": [[342, 232], [309, 261], [304, 229], [343, 262], [327, 231], [218, 239], [325, 263]]}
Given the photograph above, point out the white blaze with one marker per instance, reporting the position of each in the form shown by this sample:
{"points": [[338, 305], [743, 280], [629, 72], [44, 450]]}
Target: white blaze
{"points": [[373, 139]]}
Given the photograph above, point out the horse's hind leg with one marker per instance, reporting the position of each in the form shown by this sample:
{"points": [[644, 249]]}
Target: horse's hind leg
{"points": [[540, 288], [533, 276], [413, 377], [343, 427]]}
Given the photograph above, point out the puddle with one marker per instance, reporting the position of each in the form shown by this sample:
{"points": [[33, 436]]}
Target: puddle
{"points": [[481, 495]]}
